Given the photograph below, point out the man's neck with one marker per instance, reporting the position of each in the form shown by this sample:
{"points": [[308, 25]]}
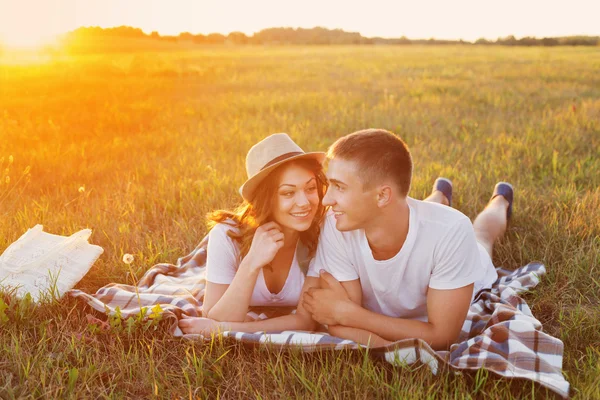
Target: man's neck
{"points": [[386, 235]]}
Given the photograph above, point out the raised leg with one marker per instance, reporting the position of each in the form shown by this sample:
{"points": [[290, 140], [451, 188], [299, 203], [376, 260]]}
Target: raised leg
{"points": [[441, 192], [491, 223]]}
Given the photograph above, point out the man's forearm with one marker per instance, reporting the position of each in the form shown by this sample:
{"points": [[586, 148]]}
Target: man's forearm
{"points": [[357, 335], [393, 329]]}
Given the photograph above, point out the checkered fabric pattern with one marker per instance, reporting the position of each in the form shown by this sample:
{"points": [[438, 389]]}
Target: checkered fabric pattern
{"points": [[500, 333]]}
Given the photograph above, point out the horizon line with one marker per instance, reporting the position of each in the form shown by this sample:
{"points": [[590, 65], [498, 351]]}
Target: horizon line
{"points": [[331, 29]]}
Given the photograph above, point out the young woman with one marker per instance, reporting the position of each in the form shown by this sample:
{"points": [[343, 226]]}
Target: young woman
{"points": [[258, 254]]}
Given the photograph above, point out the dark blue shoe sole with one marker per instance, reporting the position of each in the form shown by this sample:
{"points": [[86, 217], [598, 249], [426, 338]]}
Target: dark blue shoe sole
{"points": [[444, 185], [505, 190]]}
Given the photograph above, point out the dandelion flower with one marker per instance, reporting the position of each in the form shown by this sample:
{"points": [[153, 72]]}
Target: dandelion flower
{"points": [[7, 179], [10, 160], [127, 258], [81, 189]]}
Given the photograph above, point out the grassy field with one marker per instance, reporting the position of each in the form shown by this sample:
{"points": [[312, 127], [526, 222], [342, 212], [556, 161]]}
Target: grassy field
{"points": [[139, 146]]}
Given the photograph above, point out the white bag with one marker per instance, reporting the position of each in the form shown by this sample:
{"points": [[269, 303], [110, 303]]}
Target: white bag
{"points": [[43, 264]]}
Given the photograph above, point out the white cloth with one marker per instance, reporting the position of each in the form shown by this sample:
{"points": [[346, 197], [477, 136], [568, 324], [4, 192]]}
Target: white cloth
{"points": [[223, 261], [440, 252], [45, 265]]}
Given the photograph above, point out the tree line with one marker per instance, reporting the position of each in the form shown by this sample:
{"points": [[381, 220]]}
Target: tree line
{"points": [[314, 36]]}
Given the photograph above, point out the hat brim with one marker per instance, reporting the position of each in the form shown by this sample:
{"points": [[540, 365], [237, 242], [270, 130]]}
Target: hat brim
{"points": [[248, 188]]}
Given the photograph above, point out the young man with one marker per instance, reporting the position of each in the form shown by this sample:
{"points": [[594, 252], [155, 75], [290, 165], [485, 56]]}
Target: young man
{"points": [[393, 267]]}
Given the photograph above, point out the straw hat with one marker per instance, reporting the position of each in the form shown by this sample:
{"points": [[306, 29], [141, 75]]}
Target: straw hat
{"points": [[267, 155]]}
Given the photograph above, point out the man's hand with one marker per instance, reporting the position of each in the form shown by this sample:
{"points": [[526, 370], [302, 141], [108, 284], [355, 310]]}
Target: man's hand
{"points": [[327, 303], [203, 326]]}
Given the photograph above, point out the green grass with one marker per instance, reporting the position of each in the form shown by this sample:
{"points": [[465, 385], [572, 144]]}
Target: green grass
{"points": [[158, 139]]}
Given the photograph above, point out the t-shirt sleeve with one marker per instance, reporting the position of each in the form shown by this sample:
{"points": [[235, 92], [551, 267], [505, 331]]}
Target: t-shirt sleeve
{"points": [[457, 262], [222, 256], [332, 254]]}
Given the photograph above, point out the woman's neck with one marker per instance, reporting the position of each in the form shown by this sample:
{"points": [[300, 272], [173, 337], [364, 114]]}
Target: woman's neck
{"points": [[283, 258], [291, 237]]}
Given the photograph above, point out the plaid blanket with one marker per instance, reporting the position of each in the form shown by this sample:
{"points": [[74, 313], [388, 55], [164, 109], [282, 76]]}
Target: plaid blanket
{"points": [[500, 333]]}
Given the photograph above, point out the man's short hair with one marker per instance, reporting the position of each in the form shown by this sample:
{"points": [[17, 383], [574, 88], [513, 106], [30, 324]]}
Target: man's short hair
{"points": [[379, 154]]}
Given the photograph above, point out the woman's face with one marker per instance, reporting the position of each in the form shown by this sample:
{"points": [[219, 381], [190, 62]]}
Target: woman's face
{"points": [[296, 198]]}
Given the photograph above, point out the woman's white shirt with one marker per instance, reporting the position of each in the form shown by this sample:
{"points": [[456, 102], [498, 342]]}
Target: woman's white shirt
{"points": [[223, 261]]}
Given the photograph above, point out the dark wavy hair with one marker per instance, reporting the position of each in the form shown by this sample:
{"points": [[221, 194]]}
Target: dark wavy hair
{"points": [[248, 216]]}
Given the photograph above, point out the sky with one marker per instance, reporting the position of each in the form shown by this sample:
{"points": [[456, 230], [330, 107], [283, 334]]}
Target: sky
{"points": [[32, 22]]}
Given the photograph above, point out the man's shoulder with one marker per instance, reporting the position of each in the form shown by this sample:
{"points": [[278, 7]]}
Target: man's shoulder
{"points": [[435, 212], [436, 215]]}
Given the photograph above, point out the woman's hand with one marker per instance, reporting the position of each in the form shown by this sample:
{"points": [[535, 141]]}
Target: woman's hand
{"points": [[203, 326], [267, 241], [230, 302]]}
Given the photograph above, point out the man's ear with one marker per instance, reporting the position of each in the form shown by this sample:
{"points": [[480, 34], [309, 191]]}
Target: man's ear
{"points": [[384, 196]]}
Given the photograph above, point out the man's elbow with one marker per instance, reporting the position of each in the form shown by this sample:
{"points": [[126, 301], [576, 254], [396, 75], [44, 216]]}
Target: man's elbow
{"points": [[443, 341]]}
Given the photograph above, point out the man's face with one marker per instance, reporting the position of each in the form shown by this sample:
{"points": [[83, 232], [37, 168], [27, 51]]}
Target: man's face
{"points": [[354, 207]]}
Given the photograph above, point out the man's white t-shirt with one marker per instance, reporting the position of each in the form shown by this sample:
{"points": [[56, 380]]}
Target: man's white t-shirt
{"points": [[223, 260], [440, 252]]}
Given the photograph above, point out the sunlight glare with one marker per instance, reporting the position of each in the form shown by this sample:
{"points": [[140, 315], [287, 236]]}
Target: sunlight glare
{"points": [[27, 39]]}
